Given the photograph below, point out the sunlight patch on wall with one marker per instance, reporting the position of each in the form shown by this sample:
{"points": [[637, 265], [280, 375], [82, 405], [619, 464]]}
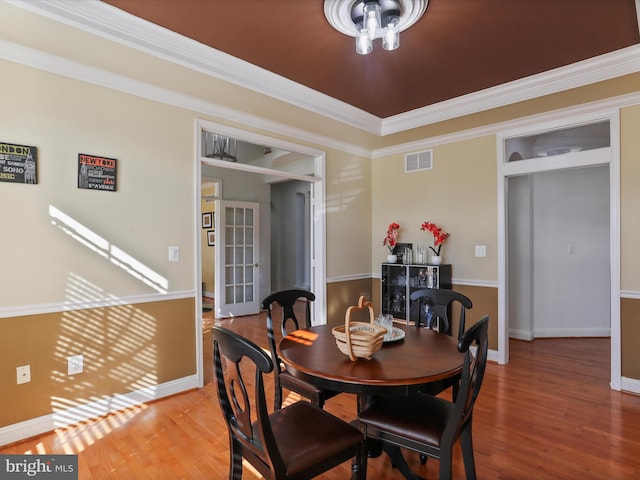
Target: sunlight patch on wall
{"points": [[346, 188], [119, 346], [105, 249]]}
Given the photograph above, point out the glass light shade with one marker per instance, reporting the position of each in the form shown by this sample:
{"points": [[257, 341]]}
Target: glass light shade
{"points": [[364, 44], [391, 37], [379, 18], [372, 18]]}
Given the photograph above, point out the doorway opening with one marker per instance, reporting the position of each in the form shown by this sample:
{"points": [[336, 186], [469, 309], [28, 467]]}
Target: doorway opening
{"points": [[250, 178], [549, 201]]}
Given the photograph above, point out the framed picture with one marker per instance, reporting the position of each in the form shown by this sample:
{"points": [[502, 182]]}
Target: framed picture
{"points": [[207, 220], [211, 238]]}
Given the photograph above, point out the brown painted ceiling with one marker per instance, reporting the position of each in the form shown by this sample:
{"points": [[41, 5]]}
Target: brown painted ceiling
{"points": [[458, 47]]}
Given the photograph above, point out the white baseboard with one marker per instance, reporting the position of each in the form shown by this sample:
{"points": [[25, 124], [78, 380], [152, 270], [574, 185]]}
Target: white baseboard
{"points": [[64, 418], [559, 333], [492, 356], [573, 332], [630, 385], [521, 334]]}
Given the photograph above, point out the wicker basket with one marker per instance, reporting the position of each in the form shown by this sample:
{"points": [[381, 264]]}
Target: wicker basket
{"points": [[359, 339]]}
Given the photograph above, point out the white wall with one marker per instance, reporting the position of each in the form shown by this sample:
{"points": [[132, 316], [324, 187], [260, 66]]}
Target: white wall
{"points": [[568, 247], [287, 227], [571, 290], [520, 293]]}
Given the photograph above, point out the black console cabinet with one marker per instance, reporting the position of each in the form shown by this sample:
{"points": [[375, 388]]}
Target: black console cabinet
{"points": [[399, 281]]}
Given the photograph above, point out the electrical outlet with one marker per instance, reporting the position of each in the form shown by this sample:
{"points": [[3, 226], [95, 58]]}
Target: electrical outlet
{"points": [[75, 364], [24, 374]]}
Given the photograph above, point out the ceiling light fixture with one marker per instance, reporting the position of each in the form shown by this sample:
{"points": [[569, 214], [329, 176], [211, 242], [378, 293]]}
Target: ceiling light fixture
{"points": [[367, 20], [221, 147]]}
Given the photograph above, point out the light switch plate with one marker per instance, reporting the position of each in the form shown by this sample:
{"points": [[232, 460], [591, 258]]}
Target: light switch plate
{"points": [[481, 250], [174, 253]]}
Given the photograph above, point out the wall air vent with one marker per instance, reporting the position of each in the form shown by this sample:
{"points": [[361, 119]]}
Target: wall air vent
{"points": [[414, 162]]}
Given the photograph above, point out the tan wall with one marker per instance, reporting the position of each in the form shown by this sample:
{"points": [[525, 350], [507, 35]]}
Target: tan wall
{"points": [[485, 302], [348, 212], [342, 295], [629, 334], [65, 247], [207, 251], [629, 239], [126, 348], [630, 199], [459, 194]]}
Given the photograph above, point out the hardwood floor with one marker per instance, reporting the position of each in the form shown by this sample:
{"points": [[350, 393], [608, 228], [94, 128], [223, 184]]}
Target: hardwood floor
{"points": [[548, 414]]}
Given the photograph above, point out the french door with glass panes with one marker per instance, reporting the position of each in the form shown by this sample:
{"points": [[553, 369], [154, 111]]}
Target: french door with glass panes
{"points": [[237, 258]]}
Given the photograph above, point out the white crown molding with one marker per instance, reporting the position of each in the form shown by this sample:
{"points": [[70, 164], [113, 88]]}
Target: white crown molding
{"points": [[597, 69], [599, 107], [58, 65], [101, 19], [61, 66], [106, 21]]}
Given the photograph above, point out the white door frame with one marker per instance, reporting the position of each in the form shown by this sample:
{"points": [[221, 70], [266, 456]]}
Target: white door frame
{"points": [[318, 212], [556, 163]]}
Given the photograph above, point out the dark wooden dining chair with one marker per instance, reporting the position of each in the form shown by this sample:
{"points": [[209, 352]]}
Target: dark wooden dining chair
{"points": [[298, 442], [289, 300], [431, 425], [439, 302]]}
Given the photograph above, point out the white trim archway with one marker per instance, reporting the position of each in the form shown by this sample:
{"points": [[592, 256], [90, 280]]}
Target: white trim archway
{"points": [[567, 161], [318, 220]]}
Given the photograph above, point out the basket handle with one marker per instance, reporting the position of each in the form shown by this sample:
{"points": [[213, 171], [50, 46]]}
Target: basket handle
{"points": [[362, 304]]}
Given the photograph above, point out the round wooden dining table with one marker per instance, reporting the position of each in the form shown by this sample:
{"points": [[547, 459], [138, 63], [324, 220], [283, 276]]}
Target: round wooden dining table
{"points": [[405, 366]]}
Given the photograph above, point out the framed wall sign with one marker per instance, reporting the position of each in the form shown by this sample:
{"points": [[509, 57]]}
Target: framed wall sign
{"points": [[97, 173], [18, 163], [211, 238]]}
